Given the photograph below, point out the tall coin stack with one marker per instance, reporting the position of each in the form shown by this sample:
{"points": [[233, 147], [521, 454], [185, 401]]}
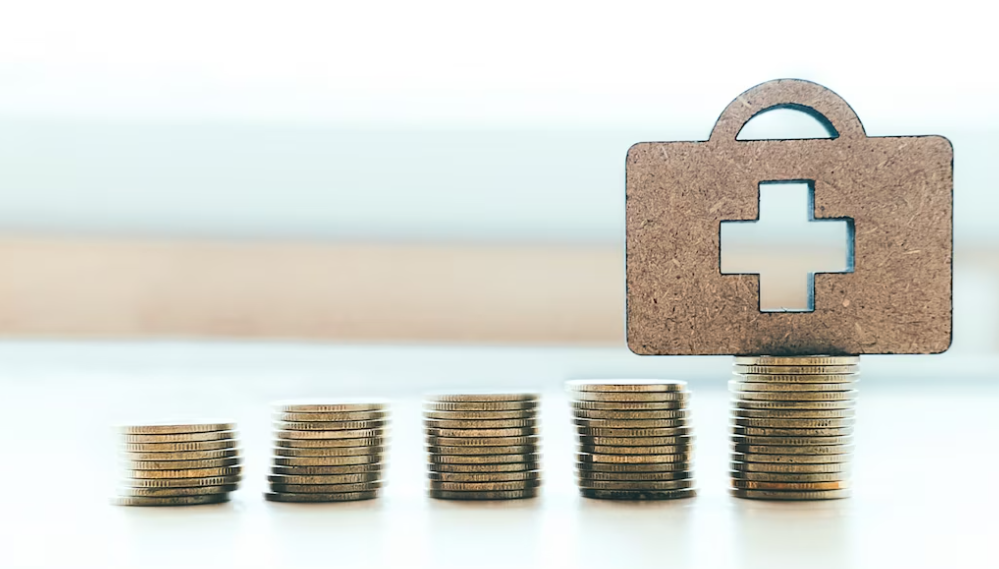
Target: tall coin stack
{"points": [[178, 464], [635, 440], [482, 446], [792, 426], [328, 451]]}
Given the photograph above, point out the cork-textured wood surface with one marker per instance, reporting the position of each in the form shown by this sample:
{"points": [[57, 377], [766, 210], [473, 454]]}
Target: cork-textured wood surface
{"points": [[897, 190]]}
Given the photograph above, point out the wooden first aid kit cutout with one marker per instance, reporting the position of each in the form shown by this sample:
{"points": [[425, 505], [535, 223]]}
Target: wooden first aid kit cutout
{"points": [[897, 192]]}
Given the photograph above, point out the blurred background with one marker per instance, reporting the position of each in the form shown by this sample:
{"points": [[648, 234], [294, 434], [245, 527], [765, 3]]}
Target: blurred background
{"points": [[432, 173]]}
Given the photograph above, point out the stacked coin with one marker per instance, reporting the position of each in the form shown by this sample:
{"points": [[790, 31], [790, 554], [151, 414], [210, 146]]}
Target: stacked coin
{"points": [[635, 440], [482, 446], [328, 451], [178, 464], [793, 426]]}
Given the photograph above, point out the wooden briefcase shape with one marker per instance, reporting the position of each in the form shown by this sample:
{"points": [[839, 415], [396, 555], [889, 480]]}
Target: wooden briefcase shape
{"points": [[897, 190]]}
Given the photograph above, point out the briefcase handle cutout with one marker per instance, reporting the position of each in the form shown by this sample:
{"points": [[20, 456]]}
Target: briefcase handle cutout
{"points": [[817, 101]]}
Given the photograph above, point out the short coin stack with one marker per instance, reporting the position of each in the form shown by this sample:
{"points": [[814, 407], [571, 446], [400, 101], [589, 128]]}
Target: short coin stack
{"points": [[178, 464], [482, 446], [635, 440], [792, 426], [328, 451]]}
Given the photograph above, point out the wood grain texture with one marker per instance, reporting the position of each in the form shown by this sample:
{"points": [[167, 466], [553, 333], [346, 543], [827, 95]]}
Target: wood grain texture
{"points": [[897, 190]]}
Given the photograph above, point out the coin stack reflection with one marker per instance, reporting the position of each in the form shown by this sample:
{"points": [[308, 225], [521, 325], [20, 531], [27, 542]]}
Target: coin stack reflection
{"points": [[178, 464], [328, 451], [482, 446], [792, 426], [635, 440]]}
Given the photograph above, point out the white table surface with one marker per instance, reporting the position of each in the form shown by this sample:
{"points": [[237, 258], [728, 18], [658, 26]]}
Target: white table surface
{"points": [[924, 492]]}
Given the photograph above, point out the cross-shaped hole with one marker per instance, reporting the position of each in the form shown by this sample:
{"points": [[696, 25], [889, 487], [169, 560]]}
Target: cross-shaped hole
{"points": [[787, 248]]}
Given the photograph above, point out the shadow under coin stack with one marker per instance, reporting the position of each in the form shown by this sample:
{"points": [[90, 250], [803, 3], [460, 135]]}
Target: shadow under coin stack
{"points": [[635, 439], [178, 464], [793, 426], [328, 451], [482, 446]]}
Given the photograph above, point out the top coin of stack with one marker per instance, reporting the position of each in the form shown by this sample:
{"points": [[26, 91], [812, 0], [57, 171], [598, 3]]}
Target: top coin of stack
{"points": [[328, 450], [635, 440], [482, 446], [178, 464], [792, 425]]}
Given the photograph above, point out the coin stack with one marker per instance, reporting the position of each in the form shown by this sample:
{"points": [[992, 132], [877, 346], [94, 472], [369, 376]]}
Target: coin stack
{"points": [[328, 451], [178, 464], [635, 439], [482, 446], [793, 426]]}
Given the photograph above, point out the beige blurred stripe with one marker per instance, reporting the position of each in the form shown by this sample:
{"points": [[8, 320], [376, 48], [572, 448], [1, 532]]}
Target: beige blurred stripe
{"points": [[119, 288]]}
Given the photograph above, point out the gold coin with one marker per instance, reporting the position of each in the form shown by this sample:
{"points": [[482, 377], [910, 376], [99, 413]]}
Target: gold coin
{"points": [[327, 435], [320, 471], [736, 385], [484, 486], [333, 417], [468, 451], [485, 459], [499, 495], [795, 370], [616, 467], [329, 425], [477, 424], [180, 482], [342, 469], [456, 406], [631, 423], [679, 460], [480, 415], [180, 437], [795, 413], [633, 485], [365, 451], [328, 406], [629, 405], [787, 495], [794, 450], [796, 405], [484, 476], [179, 447], [626, 385], [768, 432], [187, 473], [796, 395], [629, 415], [634, 476], [631, 397], [190, 455], [176, 428], [481, 441], [477, 396], [674, 449], [791, 441], [792, 458], [341, 497], [483, 468], [325, 488], [624, 433], [326, 460], [793, 486], [286, 479], [638, 494], [472, 433], [797, 468], [169, 492], [797, 360], [170, 500], [790, 476], [180, 464], [329, 443], [770, 378], [636, 441], [794, 423]]}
